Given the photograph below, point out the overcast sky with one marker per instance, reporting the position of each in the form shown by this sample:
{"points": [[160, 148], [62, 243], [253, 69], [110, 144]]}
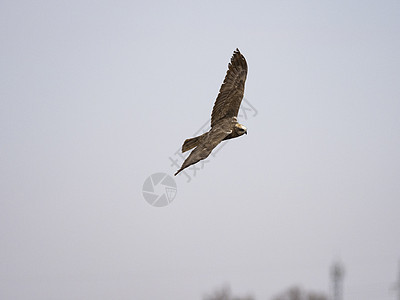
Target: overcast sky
{"points": [[96, 96]]}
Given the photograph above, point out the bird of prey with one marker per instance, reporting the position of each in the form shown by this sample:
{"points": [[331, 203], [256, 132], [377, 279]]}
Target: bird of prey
{"points": [[224, 124]]}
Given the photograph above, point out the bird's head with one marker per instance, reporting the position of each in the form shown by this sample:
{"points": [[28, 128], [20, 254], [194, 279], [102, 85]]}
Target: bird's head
{"points": [[240, 129]]}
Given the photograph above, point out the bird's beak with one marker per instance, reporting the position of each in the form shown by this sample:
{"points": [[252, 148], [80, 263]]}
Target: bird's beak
{"points": [[245, 132]]}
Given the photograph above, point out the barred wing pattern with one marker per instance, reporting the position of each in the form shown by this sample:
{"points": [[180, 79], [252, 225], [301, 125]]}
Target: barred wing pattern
{"points": [[232, 90]]}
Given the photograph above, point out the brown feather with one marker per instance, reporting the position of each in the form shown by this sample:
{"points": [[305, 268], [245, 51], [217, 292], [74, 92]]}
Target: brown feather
{"points": [[192, 142]]}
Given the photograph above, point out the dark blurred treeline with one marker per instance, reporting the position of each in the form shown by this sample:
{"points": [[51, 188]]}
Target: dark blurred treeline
{"points": [[292, 293]]}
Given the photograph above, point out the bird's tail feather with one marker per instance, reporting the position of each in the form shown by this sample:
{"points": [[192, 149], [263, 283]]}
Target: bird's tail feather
{"points": [[190, 143]]}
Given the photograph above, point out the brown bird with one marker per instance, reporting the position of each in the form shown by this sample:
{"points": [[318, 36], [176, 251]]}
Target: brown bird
{"points": [[224, 124]]}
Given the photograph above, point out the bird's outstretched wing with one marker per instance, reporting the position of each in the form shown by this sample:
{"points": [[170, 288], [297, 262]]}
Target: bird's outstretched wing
{"points": [[232, 90], [208, 142]]}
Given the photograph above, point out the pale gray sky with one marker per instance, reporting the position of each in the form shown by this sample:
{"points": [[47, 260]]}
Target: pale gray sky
{"points": [[97, 95]]}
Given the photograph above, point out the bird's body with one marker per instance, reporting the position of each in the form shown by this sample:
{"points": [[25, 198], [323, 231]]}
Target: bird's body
{"points": [[224, 124]]}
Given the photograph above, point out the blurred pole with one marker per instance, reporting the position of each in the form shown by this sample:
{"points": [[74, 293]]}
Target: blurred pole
{"points": [[396, 285], [337, 274]]}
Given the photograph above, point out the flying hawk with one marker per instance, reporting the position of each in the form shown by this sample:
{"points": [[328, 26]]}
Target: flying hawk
{"points": [[224, 124]]}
